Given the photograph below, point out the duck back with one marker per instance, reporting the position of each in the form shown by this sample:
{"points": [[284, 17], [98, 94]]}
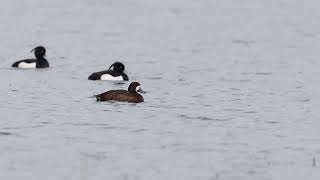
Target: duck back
{"points": [[26, 63], [120, 95], [111, 75], [31, 63]]}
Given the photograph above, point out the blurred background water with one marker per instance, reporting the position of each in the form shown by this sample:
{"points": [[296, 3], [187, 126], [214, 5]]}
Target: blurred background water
{"points": [[232, 90]]}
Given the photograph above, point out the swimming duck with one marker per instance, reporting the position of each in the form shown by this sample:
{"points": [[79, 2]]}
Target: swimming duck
{"points": [[130, 96], [39, 62], [114, 73]]}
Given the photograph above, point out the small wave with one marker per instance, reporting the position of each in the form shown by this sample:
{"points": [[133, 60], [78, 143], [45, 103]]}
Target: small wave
{"points": [[204, 118], [5, 133], [264, 73]]}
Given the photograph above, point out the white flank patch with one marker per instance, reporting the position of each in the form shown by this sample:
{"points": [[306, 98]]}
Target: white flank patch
{"points": [[27, 65], [108, 77]]}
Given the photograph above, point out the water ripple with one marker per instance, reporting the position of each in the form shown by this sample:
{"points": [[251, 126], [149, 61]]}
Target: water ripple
{"points": [[204, 118]]}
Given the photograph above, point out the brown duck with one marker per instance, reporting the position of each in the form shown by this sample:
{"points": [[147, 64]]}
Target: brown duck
{"points": [[131, 96]]}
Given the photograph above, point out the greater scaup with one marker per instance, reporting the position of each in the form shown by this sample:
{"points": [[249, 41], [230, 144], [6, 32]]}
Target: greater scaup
{"points": [[114, 73], [39, 62], [130, 96]]}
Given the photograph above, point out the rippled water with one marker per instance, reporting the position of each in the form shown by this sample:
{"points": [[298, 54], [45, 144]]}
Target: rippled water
{"points": [[232, 88]]}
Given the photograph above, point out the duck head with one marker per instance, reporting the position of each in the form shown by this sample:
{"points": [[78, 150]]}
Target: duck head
{"points": [[117, 66], [39, 51], [135, 87]]}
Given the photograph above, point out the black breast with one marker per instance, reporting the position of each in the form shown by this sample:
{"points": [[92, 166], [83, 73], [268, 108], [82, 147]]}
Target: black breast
{"points": [[42, 63]]}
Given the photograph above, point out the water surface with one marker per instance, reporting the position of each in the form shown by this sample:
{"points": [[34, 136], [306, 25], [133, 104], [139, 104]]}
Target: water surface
{"points": [[232, 90]]}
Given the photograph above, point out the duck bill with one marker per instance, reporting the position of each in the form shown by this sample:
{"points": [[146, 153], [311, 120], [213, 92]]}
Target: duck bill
{"points": [[32, 50], [141, 91]]}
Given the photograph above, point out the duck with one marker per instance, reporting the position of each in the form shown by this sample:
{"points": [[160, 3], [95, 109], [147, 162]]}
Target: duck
{"points": [[38, 62], [131, 95], [114, 73]]}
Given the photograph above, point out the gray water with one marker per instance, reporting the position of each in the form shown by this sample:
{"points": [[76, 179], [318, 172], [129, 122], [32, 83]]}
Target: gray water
{"points": [[232, 90]]}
